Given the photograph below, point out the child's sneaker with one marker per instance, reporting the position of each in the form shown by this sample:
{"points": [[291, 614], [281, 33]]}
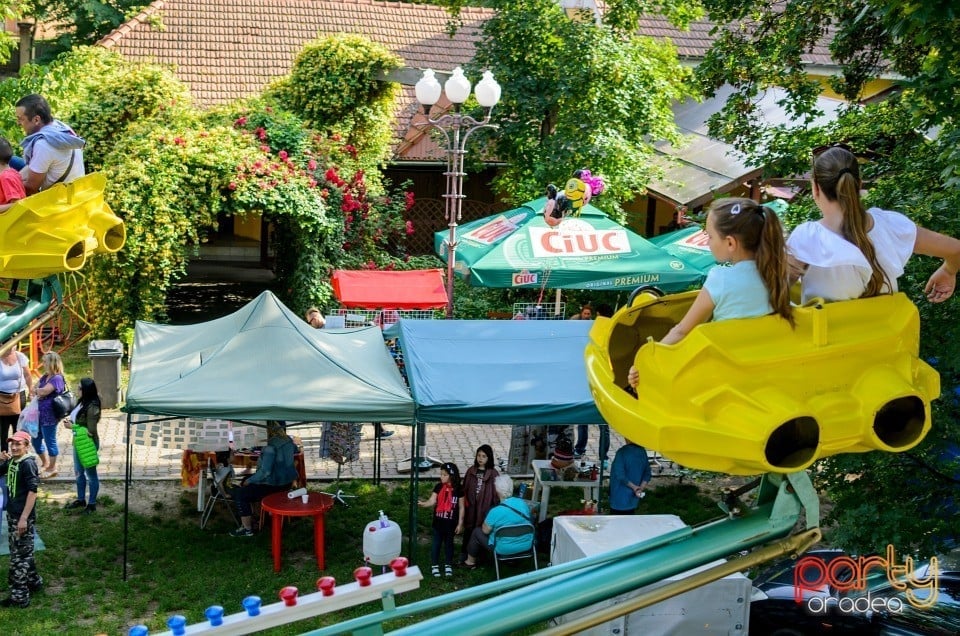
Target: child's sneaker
{"points": [[435, 570], [241, 532], [448, 570]]}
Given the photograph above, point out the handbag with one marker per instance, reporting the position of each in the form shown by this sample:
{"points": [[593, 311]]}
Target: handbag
{"points": [[10, 403], [63, 403]]}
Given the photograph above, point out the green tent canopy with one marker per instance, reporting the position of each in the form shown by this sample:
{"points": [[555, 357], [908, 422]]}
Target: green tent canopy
{"points": [[518, 249], [263, 362]]}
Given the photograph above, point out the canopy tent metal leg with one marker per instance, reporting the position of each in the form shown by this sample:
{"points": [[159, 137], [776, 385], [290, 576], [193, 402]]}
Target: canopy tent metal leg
{"points": [[412, 499], [377, 440], [128, 478], [126, 497], [419, 458]]}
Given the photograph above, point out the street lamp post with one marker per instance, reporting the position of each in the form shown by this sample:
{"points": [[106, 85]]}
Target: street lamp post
{"points": [[456, 128]]}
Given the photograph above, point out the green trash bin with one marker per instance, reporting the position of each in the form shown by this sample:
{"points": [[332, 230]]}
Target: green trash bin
{"points": [[105, 357]]}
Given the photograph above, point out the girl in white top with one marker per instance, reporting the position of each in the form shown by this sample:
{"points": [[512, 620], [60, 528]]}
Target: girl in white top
{"points": [[750, 237], [856, 253]]}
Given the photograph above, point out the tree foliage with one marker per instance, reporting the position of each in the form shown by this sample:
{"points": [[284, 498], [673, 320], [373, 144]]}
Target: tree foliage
{"points": [[10, 11], [172, 170], [576, 94], [81, 22], [333, 87], [761, 44], [168, 183]]}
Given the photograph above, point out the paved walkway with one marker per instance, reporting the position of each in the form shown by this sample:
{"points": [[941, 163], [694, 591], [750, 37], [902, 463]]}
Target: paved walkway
{"points": [[158, 448]]}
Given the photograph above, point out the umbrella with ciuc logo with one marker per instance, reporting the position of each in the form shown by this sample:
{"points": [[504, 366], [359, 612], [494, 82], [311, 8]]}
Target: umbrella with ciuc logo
{"points": [[692, 245], [689, 244], [518, 249]]}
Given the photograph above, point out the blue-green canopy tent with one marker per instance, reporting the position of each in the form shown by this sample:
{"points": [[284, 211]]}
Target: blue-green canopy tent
{"points": [[263, 362], [518, 372]]}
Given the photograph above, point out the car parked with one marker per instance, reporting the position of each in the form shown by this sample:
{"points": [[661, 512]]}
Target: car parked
{"points": [[824, 609]]}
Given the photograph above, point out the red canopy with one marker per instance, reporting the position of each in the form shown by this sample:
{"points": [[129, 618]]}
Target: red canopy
{"points": [[372, 289]]}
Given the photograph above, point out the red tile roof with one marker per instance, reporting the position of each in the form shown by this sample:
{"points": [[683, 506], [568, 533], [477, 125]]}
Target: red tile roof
{"points": [[225, 49], [228, 49], [692, 45]]}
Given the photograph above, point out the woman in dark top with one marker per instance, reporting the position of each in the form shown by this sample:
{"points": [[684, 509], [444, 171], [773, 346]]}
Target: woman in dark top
{"points": [[479, 492], [86, 414]]}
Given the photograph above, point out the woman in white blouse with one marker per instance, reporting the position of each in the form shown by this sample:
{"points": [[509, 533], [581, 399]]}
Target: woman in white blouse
{"points": [[853, 252]]}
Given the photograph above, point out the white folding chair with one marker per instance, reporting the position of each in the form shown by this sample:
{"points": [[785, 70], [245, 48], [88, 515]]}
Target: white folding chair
{"points": [[514, 530], [219, 477]]}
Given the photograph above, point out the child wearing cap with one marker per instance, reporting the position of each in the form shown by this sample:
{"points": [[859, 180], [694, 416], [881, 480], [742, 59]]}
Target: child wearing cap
{"points": [[20, 468]]}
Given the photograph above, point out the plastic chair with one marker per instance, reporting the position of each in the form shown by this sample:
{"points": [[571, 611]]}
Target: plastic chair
{"points": [[219, 478], [515, 530]]}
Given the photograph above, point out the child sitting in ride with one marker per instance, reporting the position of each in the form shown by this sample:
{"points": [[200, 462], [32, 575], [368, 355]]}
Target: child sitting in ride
{"points": [[11, 185], [750, 237]]}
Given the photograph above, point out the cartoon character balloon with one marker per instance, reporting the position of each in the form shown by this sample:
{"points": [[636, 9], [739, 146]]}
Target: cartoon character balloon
{"points": [[577, 193]]}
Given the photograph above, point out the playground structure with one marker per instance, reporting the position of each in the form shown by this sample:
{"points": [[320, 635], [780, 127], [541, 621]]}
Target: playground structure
{"points": [[45, 240], [754, 395]]}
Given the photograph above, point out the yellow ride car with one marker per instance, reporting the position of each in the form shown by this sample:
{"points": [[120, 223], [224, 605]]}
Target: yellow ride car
{"points": [[55, 230], [753, 395]]}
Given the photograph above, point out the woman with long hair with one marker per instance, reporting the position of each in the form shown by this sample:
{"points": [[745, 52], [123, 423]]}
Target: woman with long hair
{"points": [[51, 385], [15, 381], [87, 415], [749, 237], [854, 252], [479, 492]]}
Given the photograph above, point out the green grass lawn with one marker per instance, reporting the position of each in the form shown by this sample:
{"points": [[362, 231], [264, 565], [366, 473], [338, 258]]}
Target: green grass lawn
{"points": [[175, 567]]}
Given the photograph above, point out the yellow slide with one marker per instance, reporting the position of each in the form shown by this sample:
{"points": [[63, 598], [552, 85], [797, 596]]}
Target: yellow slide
{"points": [[753, 395], [56, 230]]}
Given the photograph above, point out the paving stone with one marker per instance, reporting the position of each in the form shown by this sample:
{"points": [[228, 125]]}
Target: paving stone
{"points": [[158, 447]]}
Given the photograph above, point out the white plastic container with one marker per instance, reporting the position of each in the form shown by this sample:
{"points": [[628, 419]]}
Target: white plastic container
{"points": [[382, 540]]}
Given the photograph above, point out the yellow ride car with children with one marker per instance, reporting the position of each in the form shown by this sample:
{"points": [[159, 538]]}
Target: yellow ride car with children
{"points": [[55, 230], [752, 395]]}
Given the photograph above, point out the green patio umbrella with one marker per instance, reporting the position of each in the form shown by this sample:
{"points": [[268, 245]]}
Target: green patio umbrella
{"points": [[689, 244], [518, 249]]}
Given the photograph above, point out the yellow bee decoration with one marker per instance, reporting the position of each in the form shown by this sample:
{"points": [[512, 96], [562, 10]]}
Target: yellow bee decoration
{"points": [[578, 193]]}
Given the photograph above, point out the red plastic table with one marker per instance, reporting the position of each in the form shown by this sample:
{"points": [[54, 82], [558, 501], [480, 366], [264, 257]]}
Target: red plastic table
{"points": [[280, 506]]}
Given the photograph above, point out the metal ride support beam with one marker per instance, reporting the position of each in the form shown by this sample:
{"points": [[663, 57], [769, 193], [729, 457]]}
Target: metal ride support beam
{"points": [[517, 602], [781, 499]]}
